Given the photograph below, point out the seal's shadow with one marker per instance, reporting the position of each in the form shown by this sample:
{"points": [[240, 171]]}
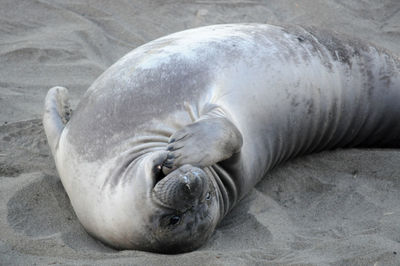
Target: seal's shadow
{"points": [[41, 210]]}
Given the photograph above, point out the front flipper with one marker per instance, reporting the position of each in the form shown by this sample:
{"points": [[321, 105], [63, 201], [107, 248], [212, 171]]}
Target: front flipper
{"points": [[56, 114], [203, 143]]}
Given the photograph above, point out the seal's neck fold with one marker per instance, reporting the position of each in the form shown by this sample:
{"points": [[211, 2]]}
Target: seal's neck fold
{"points": [[225, 186]]}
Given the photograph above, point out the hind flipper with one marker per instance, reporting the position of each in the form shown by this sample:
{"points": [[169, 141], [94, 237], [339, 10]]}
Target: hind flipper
{"points": [[56, 114]]}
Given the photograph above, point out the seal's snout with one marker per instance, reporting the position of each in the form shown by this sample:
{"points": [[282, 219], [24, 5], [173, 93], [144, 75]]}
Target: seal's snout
{"points": [[182, 189], [193, 184]]}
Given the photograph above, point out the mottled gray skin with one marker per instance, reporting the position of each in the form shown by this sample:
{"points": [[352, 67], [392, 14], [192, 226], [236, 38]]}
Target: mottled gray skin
{"points": [[169, 138]]}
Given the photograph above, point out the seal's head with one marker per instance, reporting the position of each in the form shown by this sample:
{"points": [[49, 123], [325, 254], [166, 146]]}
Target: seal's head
{"points": [[167, 213], [187, 209]]}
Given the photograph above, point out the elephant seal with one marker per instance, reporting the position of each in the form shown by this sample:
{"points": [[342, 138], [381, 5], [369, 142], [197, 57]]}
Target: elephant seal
{"points": [[168, 139]]}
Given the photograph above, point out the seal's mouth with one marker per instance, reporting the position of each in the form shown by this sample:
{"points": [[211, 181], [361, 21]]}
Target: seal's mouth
{"points": [[160, 170], [158, 173]]}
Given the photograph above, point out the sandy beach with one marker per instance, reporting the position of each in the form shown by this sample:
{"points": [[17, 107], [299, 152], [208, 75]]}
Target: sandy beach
{"points": [[338, 207]]}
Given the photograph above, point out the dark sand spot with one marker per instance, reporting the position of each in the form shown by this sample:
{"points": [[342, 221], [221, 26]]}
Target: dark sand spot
{"points": [[8, 170]]}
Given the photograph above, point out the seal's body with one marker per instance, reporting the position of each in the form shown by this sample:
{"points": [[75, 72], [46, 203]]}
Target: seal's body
{"points": [[169, 138]]}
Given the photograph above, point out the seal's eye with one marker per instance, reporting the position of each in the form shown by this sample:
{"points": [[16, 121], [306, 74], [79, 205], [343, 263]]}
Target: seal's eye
{"points": [[174, 220]]}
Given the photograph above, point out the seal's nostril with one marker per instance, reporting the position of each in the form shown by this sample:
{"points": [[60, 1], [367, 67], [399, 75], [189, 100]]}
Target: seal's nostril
{"points": [[208, 196], [187, 186]]}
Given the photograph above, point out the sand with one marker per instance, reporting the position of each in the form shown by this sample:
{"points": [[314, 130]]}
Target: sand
{"points": [[333, 208]]}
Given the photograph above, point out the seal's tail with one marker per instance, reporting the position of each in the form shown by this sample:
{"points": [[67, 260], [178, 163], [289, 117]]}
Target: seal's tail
{"points": [[57, 112]]}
